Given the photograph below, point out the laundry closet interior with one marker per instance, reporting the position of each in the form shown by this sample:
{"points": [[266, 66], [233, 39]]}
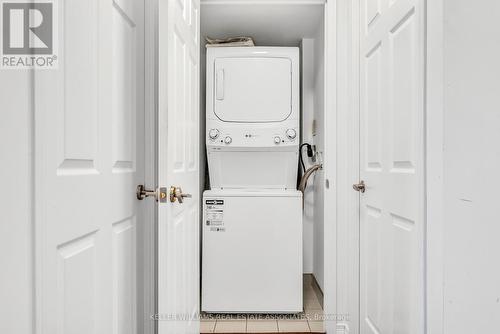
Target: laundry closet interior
{"points": [[260, 106]]}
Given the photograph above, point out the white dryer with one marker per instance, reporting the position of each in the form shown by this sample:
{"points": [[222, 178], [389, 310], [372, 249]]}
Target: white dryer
{"points": [[252, 117]]}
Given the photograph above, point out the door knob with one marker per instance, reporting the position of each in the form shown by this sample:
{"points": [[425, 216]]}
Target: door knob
{"points": [[159, 194], [361, 187], [141, 192], [177, 194]]}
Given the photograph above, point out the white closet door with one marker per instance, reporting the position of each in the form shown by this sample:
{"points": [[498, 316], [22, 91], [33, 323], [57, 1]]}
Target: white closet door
{"points": [[179, 129], [391, 155], [88, 140]]}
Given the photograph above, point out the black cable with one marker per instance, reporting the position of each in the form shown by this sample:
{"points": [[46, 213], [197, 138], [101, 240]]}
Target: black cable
{"points": [[300, 156]]}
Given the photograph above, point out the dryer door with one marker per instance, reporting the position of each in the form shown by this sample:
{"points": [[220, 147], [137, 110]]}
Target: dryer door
{"points": [[253, 89]]}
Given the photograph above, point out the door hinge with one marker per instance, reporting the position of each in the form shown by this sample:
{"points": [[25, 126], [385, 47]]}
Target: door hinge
{"points": [[160, 194]]}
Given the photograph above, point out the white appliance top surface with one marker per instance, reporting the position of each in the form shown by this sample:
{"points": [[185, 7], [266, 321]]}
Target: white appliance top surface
{"points": [[251, 193], [241, 51]]}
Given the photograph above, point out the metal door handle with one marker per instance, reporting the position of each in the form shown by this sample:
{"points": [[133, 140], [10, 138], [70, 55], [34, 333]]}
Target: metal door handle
{"points": [[177, 194], [160, 194], [141, 192], [361, 187]]}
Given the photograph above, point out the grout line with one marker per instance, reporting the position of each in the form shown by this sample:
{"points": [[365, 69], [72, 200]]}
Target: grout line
{"points": [[312, 293]]}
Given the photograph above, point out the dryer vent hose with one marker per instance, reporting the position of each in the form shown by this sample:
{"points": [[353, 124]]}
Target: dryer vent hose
{"points": [[305, 177]]}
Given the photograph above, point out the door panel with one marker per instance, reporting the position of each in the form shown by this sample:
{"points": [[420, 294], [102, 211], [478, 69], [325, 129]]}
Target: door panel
{"points": [[124, 86], [392, 127], [124, 249], [178, 223], [76, 285], [88, 128], [76, 84]]}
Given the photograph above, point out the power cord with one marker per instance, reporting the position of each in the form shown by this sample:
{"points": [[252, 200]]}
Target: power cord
{"points": [[309, 154]]}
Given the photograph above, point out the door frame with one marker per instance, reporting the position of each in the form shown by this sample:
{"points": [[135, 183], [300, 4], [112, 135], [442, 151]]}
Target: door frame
{"points": [[330, 167], [341, 263], [342, 143], [434, 294], [148, 239]]}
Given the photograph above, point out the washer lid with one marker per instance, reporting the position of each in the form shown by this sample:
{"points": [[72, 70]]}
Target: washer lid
{"points": [[217, 193], [256, 89]]}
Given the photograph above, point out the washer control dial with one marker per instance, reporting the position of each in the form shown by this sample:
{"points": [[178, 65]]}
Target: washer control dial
{"points": [[277, 140], [213, 133], [228, 140], [291, 133]]}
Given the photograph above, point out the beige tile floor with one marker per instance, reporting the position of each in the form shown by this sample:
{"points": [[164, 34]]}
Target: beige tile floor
{"points": [[308, 321]]}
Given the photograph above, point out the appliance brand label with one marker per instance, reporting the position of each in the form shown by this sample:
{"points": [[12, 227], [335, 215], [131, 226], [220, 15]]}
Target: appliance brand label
{"points": [[214, 202], [214, 215]]}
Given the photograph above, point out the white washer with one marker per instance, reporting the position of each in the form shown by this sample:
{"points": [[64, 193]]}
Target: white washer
{"points": [[252, 117], [252, 251]]}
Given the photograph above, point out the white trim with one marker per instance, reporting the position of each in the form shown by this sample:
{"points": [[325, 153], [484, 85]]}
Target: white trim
{"points": [[422, 187], [347, 111], [434, 167], [330, 168], [162, 274], [39, 205], [149, 250], [262, 2]]}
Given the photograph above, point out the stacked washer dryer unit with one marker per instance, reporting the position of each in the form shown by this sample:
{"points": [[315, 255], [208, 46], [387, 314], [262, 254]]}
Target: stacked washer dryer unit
{"points": [[252, 227]]}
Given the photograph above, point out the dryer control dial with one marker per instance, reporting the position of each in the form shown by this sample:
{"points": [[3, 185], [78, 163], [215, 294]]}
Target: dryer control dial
{"points": [[228, 140], [291, 133], [213, 133], [277, 140]]}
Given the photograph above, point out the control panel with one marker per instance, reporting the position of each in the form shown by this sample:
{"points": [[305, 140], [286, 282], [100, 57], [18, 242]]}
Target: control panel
{"points": [[252, 137]]}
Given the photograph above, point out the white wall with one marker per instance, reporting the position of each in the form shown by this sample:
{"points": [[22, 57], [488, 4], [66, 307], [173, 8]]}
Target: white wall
{"points": [[312, 54], [16, 228], [307, 103], [319, 141], [471, 163]]}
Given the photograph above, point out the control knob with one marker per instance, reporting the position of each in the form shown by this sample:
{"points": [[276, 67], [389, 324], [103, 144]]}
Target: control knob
{"points": [[277, 140], [213, 133], [291, 133], [228, 140]]}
